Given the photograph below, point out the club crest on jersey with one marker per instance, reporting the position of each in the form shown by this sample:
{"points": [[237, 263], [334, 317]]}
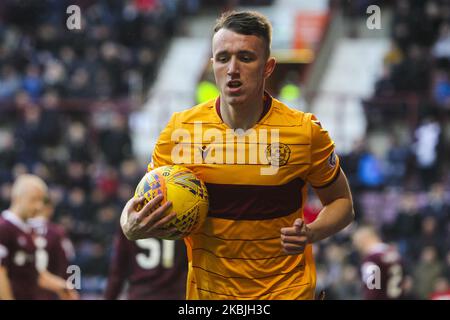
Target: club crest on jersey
{"points": [[278, 154]]}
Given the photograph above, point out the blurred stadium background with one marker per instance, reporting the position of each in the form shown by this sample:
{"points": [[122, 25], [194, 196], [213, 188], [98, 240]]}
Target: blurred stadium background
{"points": [[83, 109]]}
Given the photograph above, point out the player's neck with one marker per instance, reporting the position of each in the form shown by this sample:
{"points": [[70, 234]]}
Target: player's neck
{"points": [[242, 116], [17, 211]]}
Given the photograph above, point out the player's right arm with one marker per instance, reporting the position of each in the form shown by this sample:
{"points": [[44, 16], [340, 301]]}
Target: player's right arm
{"points": [[57, 285], [148, 222], [5, 286]]}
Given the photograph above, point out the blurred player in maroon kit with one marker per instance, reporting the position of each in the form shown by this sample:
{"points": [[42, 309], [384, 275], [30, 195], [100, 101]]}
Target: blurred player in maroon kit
{"points": [[382, 269], [53, 248], [155, 269], [19, 277]]}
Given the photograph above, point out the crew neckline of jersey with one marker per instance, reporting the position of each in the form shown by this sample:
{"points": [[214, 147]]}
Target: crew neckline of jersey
{"points": [[266, 108], [9, 216]]}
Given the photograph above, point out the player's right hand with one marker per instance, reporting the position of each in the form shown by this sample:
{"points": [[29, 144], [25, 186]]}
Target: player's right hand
{"points": [[69, 294], [149, 221]]}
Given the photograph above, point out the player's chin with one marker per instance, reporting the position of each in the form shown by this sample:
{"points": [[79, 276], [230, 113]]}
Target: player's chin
{"points": [[235, 99]]}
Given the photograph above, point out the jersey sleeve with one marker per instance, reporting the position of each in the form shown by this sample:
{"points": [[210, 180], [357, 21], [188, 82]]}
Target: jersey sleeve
{"points": [[325, 166], [162, 153]]}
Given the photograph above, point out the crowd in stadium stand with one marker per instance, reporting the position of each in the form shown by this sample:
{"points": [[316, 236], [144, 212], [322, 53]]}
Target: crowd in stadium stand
{"points": [[405, 191], [84, 152], [60, 115]]}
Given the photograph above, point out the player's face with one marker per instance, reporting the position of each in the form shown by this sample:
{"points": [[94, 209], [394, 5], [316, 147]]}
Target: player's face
{"points": [[34, 202], [240, 66]]}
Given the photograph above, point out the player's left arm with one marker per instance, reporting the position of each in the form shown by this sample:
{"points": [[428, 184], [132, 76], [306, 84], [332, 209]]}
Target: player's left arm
{"points": [[336, 214], [331, 186]]}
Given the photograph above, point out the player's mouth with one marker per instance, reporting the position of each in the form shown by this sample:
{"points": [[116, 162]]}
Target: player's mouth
{"points": [[234, 86]]}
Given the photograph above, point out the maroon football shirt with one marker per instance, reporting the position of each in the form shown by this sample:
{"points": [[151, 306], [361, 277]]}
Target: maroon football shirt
{"points": [[17, 255], [53, 251], [153, 268], [383, 274]]}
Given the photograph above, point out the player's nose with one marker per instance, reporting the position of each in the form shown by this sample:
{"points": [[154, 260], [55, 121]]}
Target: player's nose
{"points": [[233, 66]]}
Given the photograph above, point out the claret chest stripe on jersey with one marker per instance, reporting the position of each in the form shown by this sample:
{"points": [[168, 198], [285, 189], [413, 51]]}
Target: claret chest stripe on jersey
{"points": [[254, 202]]}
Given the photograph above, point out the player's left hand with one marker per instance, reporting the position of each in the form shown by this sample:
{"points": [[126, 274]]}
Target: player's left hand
{"points": [[295, 238]]}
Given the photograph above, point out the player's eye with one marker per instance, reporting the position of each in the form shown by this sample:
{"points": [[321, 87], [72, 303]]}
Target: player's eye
{"points": [[246, 58], [221, 58]]}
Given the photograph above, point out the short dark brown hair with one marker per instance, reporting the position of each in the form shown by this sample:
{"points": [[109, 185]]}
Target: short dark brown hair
{"points": [[247, 23]]}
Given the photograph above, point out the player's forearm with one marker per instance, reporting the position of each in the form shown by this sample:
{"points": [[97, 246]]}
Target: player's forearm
{"points": [[334, 217], [5, 287], [113, 288], [51, 282]]}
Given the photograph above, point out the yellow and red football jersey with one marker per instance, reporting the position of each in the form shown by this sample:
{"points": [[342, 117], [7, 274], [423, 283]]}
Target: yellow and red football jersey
{"points": [[256, 182]]}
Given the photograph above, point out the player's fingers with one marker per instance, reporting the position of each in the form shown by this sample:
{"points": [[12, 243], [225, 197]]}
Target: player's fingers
{"points": [[290, 248], [131, 204], [165, 220], [156, 215], [151, 204], [302, 240], [298, 224], [149, 207], [290, 231]]}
